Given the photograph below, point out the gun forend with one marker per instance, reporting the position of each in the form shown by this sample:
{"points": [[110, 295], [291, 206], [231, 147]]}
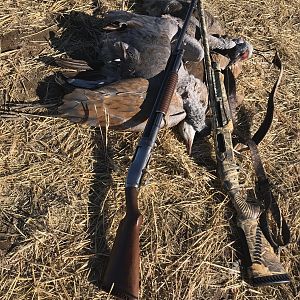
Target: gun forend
{"points": [[122, 275]]}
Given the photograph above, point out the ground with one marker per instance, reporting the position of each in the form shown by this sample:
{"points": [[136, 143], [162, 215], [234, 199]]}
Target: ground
{"points": [[62, 185]]}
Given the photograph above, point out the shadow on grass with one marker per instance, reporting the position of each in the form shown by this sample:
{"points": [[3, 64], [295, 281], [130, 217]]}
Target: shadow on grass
{"points": [[97, 210], [49, 91], [81, 39]]}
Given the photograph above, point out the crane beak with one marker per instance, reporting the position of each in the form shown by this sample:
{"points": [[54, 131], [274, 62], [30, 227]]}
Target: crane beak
{"points": [[187, 132], [189, 145]]}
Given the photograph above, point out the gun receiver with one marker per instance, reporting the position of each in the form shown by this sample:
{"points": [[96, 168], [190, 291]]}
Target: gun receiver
{"points": [[122, 275], [260, 261]]}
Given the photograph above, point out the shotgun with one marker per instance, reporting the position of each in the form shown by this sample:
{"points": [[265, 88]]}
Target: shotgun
{"points": [[122, 277], [261, 264]]}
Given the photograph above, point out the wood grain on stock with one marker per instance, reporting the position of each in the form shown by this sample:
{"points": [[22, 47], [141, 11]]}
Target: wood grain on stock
{"points": [[123, 275]]}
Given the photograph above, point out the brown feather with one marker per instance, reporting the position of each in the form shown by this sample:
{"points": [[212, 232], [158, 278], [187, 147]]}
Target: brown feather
{"points": [[119, 104]]}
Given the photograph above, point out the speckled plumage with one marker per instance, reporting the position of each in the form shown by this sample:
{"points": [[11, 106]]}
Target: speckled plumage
{"points": [[195, 99]]}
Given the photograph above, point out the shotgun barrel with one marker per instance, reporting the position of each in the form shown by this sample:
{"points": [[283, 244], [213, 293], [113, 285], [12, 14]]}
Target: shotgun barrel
{"points": [[122, 277]]}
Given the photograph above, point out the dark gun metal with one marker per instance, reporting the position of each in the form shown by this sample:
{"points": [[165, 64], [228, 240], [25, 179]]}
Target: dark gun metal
{"points": [[262, 264], [122, 277]]}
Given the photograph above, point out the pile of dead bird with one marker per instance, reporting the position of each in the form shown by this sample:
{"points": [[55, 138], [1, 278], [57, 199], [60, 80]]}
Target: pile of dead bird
{"points": [[135, 49]]}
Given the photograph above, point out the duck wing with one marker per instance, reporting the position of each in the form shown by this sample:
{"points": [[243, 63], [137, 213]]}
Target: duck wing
{"points": [[120, 105]]}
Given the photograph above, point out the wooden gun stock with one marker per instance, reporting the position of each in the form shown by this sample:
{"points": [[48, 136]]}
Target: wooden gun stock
{"points": [[122, 274]]}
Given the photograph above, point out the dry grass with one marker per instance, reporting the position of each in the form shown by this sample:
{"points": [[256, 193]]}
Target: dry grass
{"points": [[62, 185]]}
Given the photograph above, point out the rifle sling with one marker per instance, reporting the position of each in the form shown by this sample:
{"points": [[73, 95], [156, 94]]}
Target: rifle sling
{"points": [[263, 188], [230, 85], [266, 197], [266, 123]]}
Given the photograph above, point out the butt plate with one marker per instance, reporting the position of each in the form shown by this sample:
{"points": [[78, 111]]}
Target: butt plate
{"points": [[262, 265], [270, 280]]}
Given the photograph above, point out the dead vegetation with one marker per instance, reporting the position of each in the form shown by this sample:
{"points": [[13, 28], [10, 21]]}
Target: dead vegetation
{"points": [[62, 185]]}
